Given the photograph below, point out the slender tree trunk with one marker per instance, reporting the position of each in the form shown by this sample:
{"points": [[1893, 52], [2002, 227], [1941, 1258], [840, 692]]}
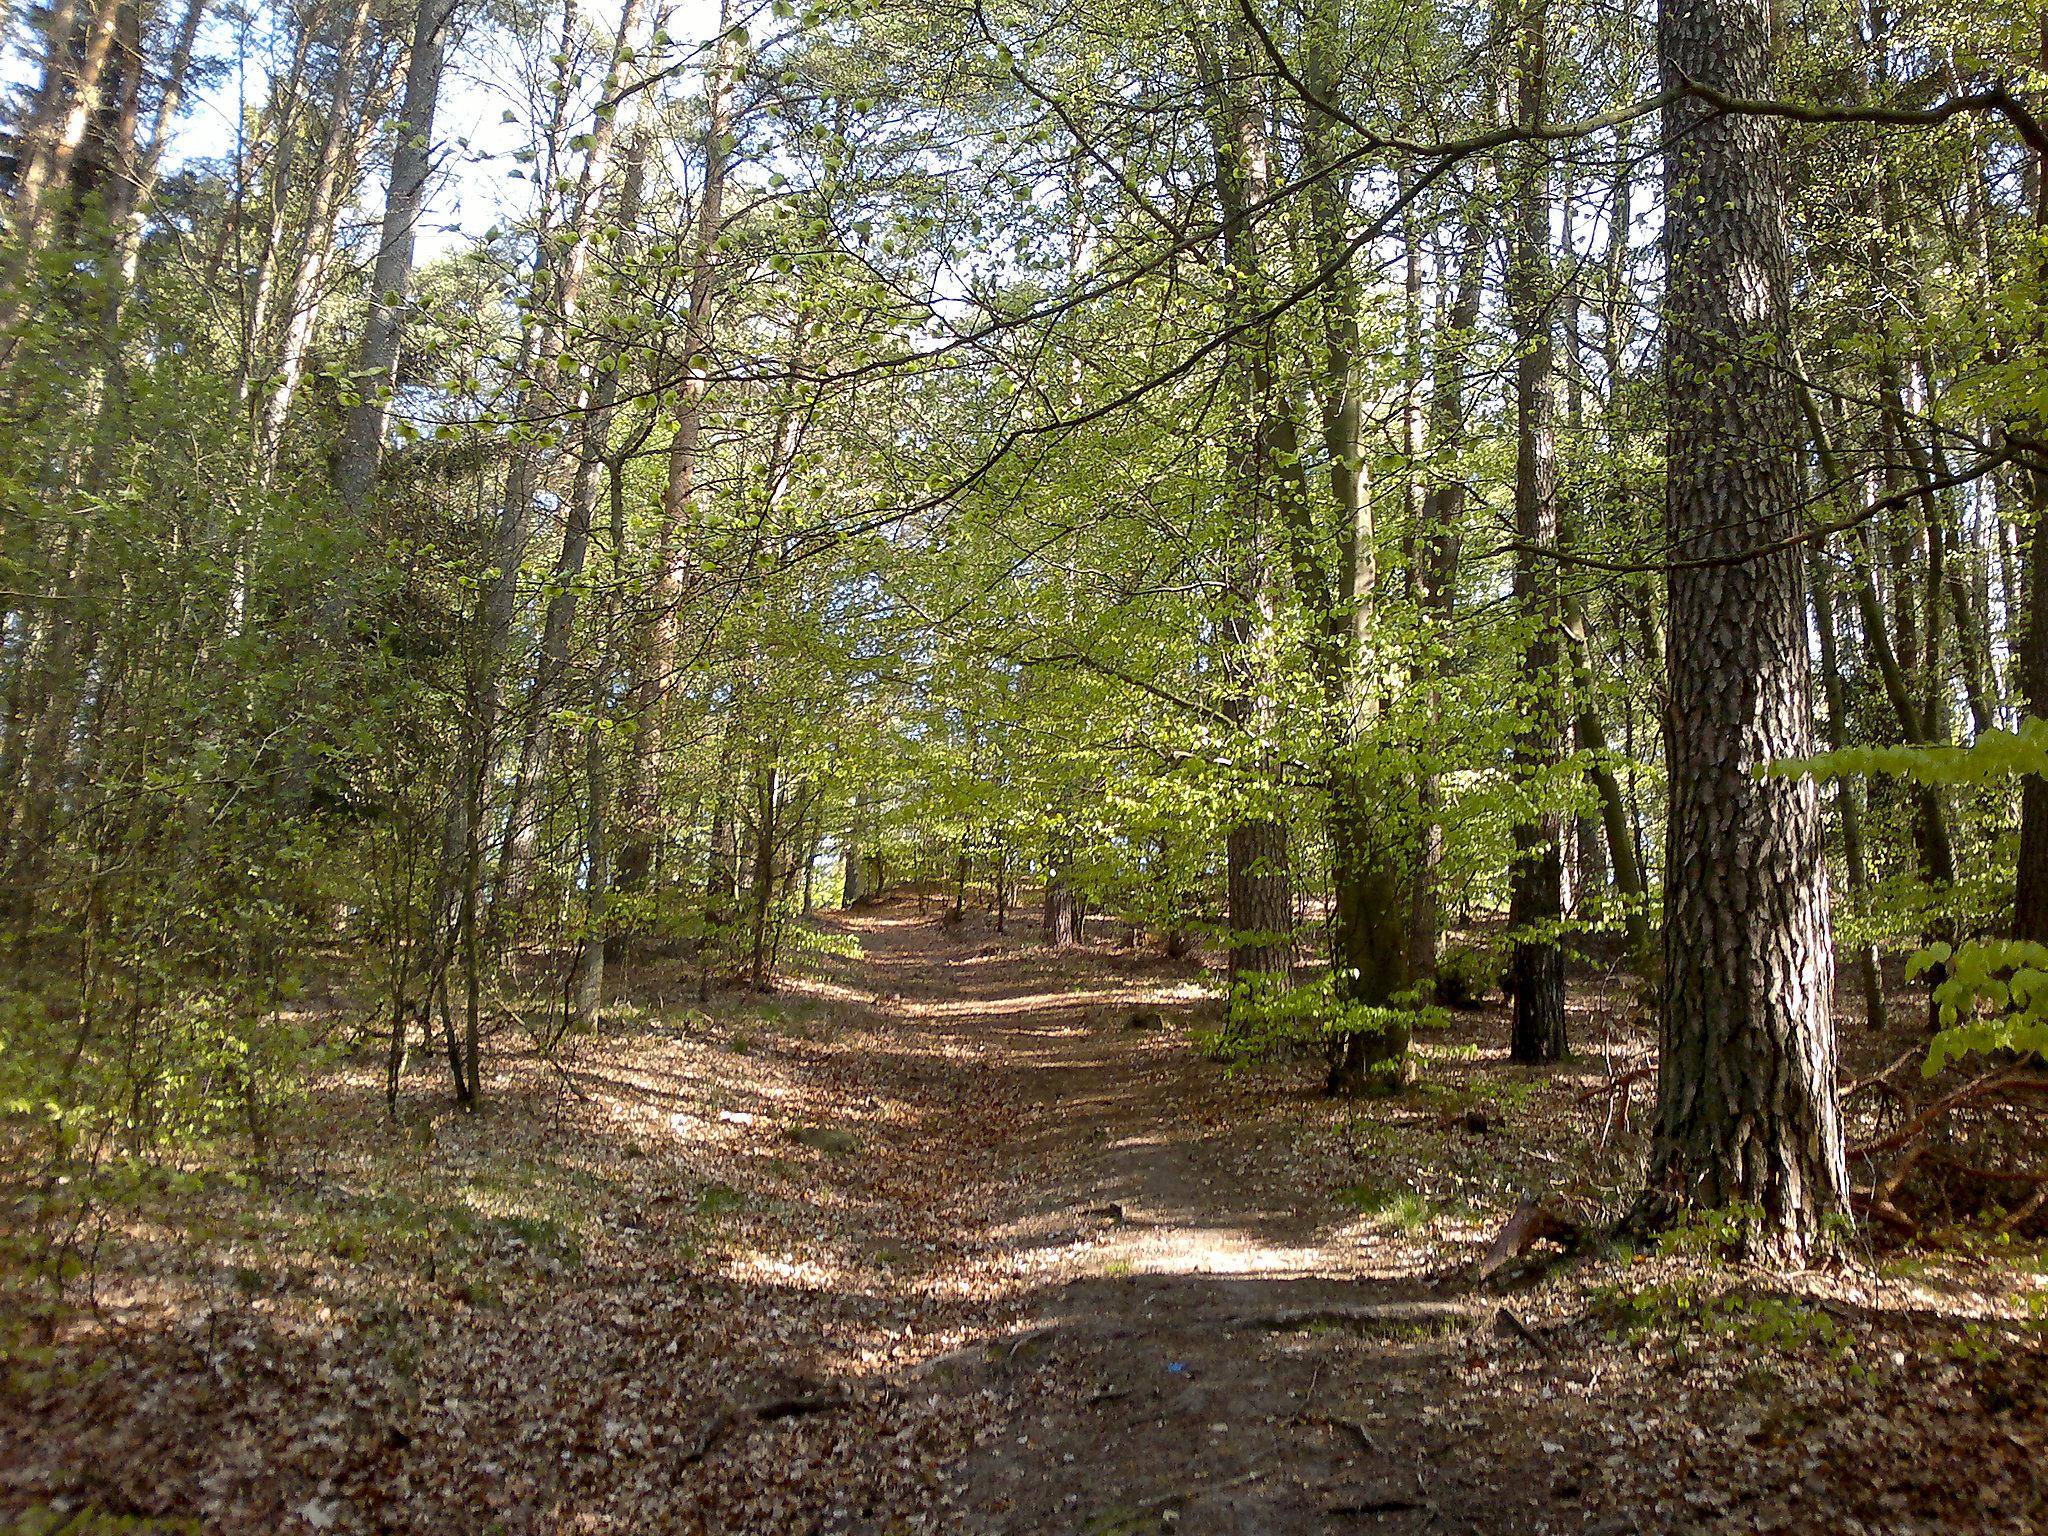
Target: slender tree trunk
{"points": [[1847, 806], [1373, 817], [2030, 890], [639, 798], [1536, 907], [64, 109], [309, 269], [1437, 559], [412, 162], [768, 784], [1615, 821], [596, 873], [517, 848], [1747, 1106], [142, 185], [1259, 907]]}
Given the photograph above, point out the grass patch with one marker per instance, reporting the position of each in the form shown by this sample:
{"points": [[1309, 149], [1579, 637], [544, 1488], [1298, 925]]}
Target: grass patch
{"points": [[1402, 1208], [716, 1200]]}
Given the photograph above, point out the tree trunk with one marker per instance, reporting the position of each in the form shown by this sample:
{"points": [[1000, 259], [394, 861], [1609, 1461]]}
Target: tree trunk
{"points": [[412, 162], [1615, 820], [1438, 546], [639, 799], [1060, 927], [517, 849], [309, 268], [1747, 1107], [1846, 804], [2030, 889], [597, 871], [1536, 906], [63, 110], [768, 781], [1259, 907]]}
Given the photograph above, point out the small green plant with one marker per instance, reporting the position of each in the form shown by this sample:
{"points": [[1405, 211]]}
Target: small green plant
{"points": [[1266, 1019], [1721, 1233], [1402, 1208]]}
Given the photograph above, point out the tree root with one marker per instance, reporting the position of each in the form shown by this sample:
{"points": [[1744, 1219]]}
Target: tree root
{"points": [[767, 1410]]}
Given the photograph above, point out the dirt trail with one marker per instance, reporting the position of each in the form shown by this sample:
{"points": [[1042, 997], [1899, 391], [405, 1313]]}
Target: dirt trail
{"points": [[1148, 1247], [935, 1241]]}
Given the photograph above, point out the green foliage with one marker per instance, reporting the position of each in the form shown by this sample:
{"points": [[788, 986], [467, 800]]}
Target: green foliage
{"points": [[1468, 975], [1994, 756], [1766, 1324], [1268, 1018], [1993, 996]]}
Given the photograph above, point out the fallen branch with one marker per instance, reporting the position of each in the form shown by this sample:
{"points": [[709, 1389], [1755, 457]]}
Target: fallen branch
{"points": [[767, 1411], [1376, 1504], [1513, 1324], [1615, 1084], [1881, 1077], [1532, 1223], [1130, 1512], [1977, 1087]]}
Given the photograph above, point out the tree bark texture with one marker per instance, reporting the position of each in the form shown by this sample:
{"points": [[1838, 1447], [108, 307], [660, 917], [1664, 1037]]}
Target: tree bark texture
{"points": [[1747, 1107]]}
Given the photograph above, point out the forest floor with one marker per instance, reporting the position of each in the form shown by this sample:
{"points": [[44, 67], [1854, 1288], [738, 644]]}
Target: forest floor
{"points": [[956, 1236]]}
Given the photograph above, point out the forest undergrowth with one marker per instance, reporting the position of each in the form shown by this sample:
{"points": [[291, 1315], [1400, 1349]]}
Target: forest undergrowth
{"points": [[961, 1233]]}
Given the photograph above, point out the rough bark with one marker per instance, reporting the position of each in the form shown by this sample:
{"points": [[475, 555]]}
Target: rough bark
{"points": [[1060, 923], [1747, 1107]]}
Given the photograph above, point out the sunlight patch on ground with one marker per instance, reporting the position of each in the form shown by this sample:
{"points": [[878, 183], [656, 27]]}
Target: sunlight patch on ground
{"points": [[1208, 1251]]}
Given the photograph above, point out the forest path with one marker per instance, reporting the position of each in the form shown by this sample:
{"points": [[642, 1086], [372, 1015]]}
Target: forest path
{"points": [[1146, 1236], [932, 1240]]}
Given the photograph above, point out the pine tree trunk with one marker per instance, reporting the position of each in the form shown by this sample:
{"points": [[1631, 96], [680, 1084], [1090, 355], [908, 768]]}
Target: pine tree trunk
{"points": [[1259, 909], [1747, 1107]]}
